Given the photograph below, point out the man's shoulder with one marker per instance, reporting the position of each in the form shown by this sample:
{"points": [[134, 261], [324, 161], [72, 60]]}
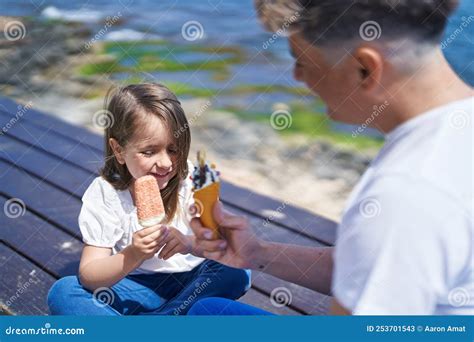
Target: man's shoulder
{"points": [[438, 153], [405, 204]]}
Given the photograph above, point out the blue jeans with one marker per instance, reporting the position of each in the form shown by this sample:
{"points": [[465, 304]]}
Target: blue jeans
{"points": [[224, 307], [149, 294]]}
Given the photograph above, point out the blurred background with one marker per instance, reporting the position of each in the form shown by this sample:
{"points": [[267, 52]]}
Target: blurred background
{"points": [[264, 130]]}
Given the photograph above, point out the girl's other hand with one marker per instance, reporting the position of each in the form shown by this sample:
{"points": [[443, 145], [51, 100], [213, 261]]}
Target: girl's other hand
{"points": [[176, 242]]}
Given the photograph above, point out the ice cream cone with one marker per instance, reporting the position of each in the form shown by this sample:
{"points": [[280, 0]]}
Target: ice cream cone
{"points": [[205, 199]]}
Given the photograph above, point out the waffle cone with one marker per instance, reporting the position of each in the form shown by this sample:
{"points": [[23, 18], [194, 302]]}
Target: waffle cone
{"points": [[205, 199]]}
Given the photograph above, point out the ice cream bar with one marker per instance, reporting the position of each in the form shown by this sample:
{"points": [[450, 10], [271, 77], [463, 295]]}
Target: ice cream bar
{"points": [[206, 186], [150, 209]]}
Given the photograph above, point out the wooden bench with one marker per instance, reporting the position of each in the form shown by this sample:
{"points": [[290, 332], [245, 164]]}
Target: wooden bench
{"points": [[48, 164]]}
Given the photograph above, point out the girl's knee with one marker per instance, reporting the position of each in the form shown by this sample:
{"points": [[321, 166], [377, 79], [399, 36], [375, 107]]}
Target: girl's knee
{"points": [[244, 279], [237, 281], [60, 293], [206, 306]]}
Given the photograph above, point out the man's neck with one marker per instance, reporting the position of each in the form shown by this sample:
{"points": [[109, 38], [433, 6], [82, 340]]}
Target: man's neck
{"points": [[433, 85]]}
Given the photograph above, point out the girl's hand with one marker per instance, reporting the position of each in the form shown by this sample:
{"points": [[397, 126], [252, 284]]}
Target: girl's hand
{"points": [[176, 242], [147, 241]]}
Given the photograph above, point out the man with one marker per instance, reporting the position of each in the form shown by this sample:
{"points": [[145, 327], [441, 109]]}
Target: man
{"points": [[404, 245]]}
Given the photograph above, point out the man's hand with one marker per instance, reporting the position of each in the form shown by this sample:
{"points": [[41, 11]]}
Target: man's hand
{"points": [[238, 243], [176, 242], [240, 248]]}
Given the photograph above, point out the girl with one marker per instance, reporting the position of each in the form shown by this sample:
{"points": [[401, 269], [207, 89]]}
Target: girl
{"points": [[125, 269]]}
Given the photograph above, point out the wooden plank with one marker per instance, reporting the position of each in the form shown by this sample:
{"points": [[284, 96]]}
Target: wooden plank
{"points": [[261, 301], [56, 251], [302, 299], [45, 166], [41, 197], [49, 122], [288, 216], [278, 212], [24, 290], [75, 152]]}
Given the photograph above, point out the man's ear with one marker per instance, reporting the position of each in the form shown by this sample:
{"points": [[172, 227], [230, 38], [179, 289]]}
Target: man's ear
{"points": [[370, 67], [118, 150]]}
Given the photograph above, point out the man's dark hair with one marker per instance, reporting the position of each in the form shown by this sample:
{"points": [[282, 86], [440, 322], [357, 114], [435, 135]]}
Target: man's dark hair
{"points": [[327, 22]]}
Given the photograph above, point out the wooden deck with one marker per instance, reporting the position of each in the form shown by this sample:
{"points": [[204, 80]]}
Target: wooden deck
{"points": [[47, 164]]}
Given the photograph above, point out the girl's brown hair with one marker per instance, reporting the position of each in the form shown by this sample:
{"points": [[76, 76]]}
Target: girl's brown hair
{"points": [[127, 108]]}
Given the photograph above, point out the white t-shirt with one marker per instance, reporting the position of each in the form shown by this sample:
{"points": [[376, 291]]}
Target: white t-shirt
{"points": [[108, 218], [405, 243]]}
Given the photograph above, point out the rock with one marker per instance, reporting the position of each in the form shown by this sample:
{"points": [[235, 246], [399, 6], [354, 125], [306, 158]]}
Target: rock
{"points": [[39, 48]]}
